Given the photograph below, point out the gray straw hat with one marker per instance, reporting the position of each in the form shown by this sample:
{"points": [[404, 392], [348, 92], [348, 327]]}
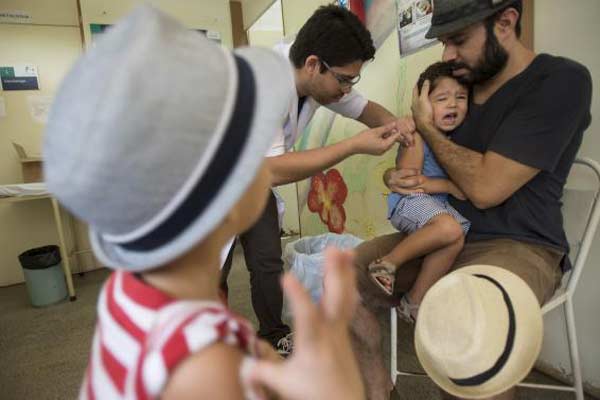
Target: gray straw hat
{"points": [[451, 16], [157, 132]]}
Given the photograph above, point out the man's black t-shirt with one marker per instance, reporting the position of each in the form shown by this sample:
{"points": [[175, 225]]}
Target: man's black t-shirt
{"points": [[537, 119]]}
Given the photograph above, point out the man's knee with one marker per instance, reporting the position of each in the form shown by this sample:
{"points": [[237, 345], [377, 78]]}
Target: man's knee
{"points": [[538, 266], [365, 328]]}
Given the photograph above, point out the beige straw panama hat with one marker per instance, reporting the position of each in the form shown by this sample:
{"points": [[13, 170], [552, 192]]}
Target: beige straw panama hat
{"points": [[479, 331]]}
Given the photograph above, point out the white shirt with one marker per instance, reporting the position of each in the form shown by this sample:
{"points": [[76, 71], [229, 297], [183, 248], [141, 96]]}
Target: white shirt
{"points": [[351, 106]]}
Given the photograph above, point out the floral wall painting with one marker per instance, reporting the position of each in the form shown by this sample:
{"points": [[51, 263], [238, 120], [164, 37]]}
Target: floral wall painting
{"points": [[326, 197]]}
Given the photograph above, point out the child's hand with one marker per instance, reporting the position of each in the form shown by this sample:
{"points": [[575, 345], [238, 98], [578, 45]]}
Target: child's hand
{"points": [[439, 185], [322, 365], [456, 192], [459, 195]]}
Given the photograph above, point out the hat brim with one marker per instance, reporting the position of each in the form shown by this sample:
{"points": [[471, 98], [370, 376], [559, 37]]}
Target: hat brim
{"points": [[436, 31], [526, 348], [274, 85]]}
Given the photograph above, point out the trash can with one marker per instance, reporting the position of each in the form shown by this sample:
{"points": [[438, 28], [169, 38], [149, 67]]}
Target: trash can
{"points": [[305, 258], [44, 276]]}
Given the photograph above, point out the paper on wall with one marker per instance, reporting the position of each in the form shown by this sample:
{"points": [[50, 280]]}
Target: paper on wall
{"points": [[15, 17], [414, 20], [2, 108], [39, 107]]}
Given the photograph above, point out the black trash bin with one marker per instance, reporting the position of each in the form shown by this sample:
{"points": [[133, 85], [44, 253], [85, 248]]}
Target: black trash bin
{"points": [[44, 276]]}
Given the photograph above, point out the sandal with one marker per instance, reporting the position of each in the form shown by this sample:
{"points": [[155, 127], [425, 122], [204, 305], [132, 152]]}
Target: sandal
{"points": [[407, 311], [382, 272]]}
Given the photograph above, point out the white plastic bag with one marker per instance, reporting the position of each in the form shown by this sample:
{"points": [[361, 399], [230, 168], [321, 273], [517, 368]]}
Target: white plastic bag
{"points": [[305, 258]]}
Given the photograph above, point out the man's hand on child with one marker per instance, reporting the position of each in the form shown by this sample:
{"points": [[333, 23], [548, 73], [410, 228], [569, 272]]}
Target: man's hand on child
{"points": [[406, 127], [404, 181], [422, 109], [323, 363]]}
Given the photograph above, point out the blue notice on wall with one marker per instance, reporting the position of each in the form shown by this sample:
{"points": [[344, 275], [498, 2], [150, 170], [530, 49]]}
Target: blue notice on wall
{"points": [[96, 30], [19, 77]]}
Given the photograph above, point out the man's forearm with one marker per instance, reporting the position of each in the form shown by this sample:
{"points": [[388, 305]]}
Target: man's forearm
{"points": [[464, 166], [441, 185], [375, 115], [295, 166]]}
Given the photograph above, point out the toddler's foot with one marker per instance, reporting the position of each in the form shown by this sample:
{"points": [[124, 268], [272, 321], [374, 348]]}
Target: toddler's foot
{"points": [[383, 274], [407, 311]]}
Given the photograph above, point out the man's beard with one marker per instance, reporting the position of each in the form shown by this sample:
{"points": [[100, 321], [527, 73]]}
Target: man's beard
{"points": [[492, 61]]}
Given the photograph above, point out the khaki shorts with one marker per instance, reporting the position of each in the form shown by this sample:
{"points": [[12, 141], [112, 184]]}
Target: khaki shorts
{"points": [[537, 265]]}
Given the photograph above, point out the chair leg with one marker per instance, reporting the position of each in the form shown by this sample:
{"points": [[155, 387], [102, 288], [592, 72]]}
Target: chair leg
{"points": [[394, 345], [574, 349]]}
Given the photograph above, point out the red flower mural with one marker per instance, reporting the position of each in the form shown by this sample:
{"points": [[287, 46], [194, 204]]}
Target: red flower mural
{"points": [[326, 197]]}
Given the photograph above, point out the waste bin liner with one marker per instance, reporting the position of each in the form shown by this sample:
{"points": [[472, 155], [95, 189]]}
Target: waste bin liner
{"points": [[44, 276], [305, 258]]}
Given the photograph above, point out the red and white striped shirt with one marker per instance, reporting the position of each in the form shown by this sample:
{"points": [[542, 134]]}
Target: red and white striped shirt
{"points": [[142, 334]]}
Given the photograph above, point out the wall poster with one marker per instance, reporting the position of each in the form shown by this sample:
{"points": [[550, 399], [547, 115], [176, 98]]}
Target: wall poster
{"points": [[414, 20]]}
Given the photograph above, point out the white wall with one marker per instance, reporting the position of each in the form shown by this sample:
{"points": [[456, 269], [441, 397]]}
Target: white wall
{"points": [[211, 15], [268, 29], [571, 29], [295, 13], [51, 43], [253, 10], [43, 12]]}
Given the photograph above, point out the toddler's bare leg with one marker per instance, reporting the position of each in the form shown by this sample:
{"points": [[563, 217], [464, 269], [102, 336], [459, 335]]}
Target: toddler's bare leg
{"points": [[441, 231], [434, 267]]}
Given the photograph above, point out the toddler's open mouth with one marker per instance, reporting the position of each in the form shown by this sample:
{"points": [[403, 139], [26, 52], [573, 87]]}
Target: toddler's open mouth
{"points": [[450, 118]]}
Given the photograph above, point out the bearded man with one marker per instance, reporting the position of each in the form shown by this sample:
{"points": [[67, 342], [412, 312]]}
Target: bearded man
{"points": [[510, 157]]}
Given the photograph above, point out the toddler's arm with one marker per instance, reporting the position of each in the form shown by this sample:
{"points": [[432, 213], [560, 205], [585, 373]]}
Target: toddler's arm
{"points": [[411, 157], [410, 160], [212, 373], [440, 185]]}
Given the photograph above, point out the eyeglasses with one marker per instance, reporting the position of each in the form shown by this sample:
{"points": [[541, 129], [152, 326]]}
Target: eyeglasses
{"points": [[343, 80]]}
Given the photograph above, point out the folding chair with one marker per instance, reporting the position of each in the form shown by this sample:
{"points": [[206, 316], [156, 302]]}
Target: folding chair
{"points": [[582, 207]]}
